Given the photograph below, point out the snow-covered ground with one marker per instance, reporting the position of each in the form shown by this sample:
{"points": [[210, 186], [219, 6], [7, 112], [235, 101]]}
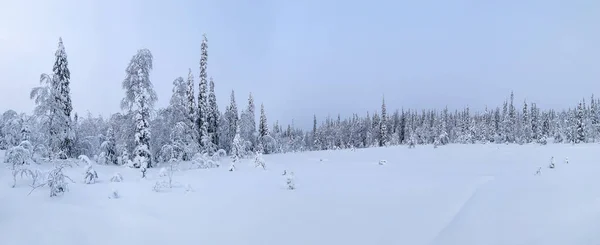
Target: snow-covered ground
{"points": [[455, 194]]}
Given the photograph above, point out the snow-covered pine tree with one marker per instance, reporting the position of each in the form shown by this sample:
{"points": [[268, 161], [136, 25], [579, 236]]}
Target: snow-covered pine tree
{"points": [[62, 98], [383, 131], [213, 114], [139, 100], [201, 121], [579, 125]]}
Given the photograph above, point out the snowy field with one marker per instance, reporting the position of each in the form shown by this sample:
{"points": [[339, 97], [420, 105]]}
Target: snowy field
{"points": [[455, 194]]}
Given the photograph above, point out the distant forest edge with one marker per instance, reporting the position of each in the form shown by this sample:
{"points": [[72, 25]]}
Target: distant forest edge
{"points": [[192, 125]]}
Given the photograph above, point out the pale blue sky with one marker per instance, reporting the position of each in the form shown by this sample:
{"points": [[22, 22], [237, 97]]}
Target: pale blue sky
{"points": [[311, 56]]}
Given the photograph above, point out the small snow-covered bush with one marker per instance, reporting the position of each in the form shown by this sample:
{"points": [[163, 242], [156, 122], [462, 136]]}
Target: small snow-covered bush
{"points": [[117, 177], [204, 161], [551, 163], [232, 166], [90, 175], [165, 172], [539, 171], [543, 140], [259, 161], [382, 162], [24, 171], [85, 160], [188, 188], [412, 141], [114, 194], [18, 155], [56, 180], [566, 160], [289, 180]]}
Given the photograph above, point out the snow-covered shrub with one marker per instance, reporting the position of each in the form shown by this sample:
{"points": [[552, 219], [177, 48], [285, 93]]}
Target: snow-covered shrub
{"points": [[289, 180], [566, 160], [85, 160], [188, 188], [163, 172], [259, 161], [539, 171], [551, 163], [125, 159], [168, 173], [117, 177], [382, 162], [24, 171], [114, 194], [412, 140], [218, 154], [90, 176], [543, 140], [142, 163], [204, 161], [102, 160], [232, 166], [17, 155], [56, 180]]}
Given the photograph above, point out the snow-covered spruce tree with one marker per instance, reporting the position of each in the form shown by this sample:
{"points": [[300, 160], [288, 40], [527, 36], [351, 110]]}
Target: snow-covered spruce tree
{"points": [[62, 99], [263, 127], [236, 149], [233, 117], [191, 102], [213, 116], [201, 121], [139, 100], [248, 125], [579, 125], [109, 147], [527, 131], [383, 130]]}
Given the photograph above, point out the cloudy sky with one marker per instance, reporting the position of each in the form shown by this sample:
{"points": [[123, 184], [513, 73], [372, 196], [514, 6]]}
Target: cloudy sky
{"points": [[308, 57]]}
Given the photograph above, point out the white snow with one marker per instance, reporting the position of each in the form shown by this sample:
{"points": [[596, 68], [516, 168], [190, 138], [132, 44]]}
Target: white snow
{"points": [[455, 194]]}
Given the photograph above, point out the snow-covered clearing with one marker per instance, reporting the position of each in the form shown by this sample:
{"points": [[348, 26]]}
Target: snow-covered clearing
{"points": [[455, 194]]}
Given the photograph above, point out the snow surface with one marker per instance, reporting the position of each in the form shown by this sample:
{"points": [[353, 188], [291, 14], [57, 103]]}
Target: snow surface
{"points": [[455, 194]]}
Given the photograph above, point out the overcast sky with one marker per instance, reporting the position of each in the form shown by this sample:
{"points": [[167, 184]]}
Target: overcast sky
{"points": [[311, 56]]}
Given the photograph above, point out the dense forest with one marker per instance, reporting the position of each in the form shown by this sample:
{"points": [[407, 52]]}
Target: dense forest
{"points": [[192, 125]]}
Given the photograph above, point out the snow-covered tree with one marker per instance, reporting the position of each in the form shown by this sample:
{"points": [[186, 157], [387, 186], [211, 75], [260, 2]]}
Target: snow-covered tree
{"points": [[527, 130], [201, 121], [62, 99], [191, 102], [248, 124], [178, 105], [109, 147], [236, 149], [383, 129], [579, 125], [213, 114], [139, 100]]}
